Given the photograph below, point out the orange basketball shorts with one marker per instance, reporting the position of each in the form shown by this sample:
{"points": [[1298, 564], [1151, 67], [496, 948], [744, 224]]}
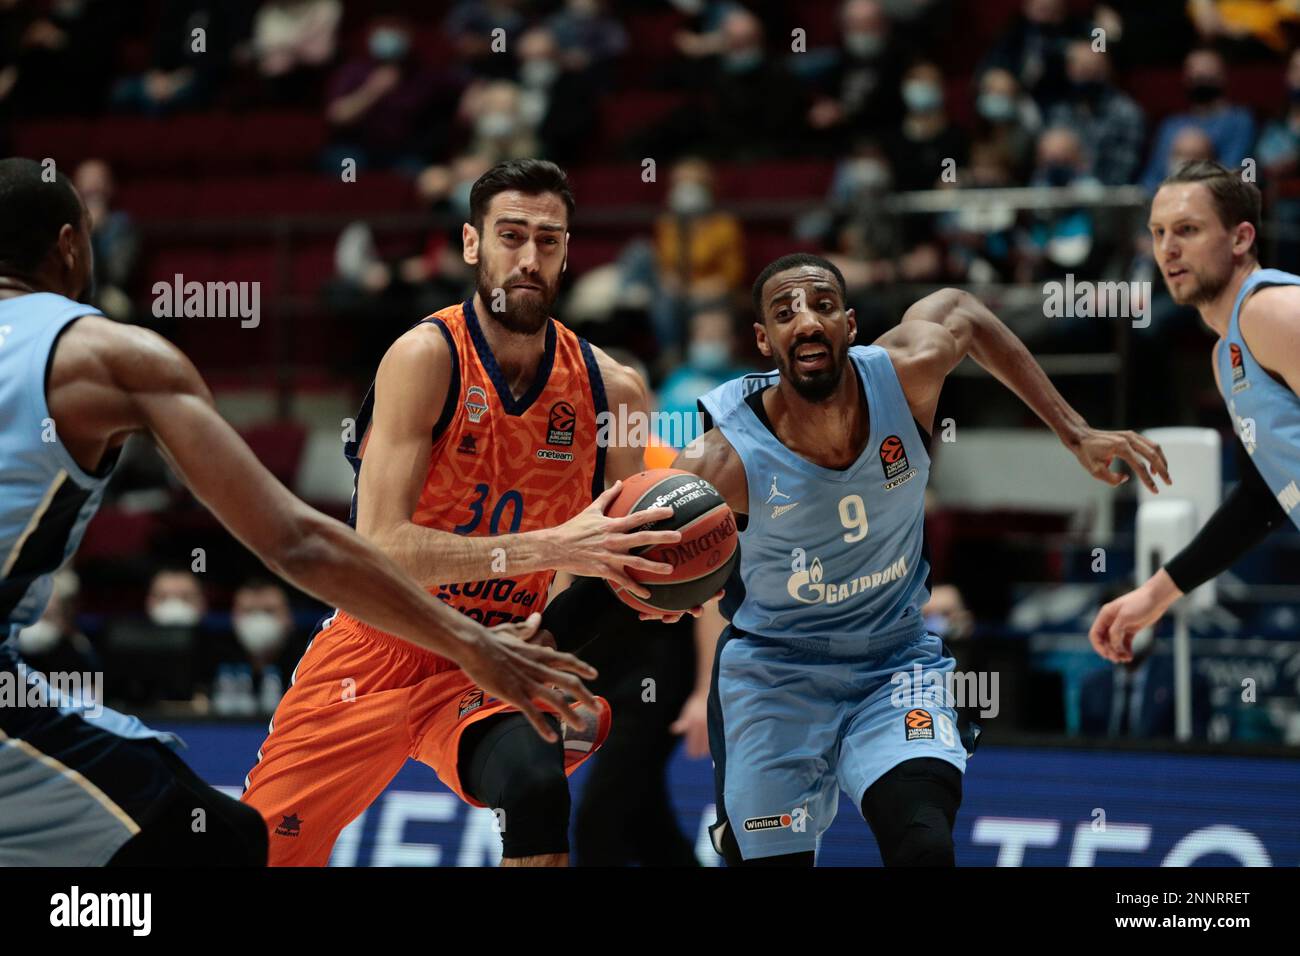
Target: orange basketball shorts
{"points": [[361, 703]]}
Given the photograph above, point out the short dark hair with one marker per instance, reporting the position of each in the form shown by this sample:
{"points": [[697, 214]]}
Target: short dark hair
{"points": [[531, 176], [32, 211], [793, 261], [1235, 200]]}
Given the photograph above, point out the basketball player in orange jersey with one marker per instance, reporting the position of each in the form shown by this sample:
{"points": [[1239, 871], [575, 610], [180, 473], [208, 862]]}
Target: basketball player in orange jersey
{"points": [[478, 472]]}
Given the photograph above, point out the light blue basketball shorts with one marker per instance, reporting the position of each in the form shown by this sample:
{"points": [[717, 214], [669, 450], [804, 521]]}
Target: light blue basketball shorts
{"points": [[792, 720]]}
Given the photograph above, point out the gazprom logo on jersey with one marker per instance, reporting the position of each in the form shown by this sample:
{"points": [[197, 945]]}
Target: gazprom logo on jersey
{"points": [[806, 586]]}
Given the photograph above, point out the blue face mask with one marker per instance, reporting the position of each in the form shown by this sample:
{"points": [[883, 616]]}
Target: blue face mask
{"points": [[388, 45], [936, 624], [921, 96], [743, 61], [708, 356], [996, 107], [1058, 174]]}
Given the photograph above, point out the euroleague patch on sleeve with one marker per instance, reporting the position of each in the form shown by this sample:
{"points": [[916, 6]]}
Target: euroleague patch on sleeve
{"points": [[919, 724], [893, 457]]}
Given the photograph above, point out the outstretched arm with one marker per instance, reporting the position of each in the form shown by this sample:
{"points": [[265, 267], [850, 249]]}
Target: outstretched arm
{"points": [[110, 380], [1249, 513], [940, 330]]}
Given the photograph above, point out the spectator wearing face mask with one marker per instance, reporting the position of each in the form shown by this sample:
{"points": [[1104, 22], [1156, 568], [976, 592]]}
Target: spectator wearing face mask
{"points": [[1230, 127], [856, 85], [386, 107], [1058, 241], [252, 667], [175, 599], [555, 100], [946, 614], [1007, 120], [928, 138], [981, 240], [1033, 47], [709, 361], [53, 644], [1105, 117], [494, 112], [589, 40], [699, 251], [471, 25]]}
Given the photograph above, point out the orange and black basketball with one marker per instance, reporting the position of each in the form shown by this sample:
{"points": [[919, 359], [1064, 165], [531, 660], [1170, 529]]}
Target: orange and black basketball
{"points": [[704, 558]]}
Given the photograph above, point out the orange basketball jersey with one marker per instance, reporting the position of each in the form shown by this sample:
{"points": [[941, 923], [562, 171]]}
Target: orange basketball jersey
{"points": [[502, 465]]}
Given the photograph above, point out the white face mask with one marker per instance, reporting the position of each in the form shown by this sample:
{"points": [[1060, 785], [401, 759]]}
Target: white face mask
{"points": [[174, 612], [690, 199], [539, 73], [38, 638], [258, 631], [495, 125]]}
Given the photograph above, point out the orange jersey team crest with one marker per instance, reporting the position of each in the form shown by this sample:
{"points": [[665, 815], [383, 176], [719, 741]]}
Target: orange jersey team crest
{"points": [[502, 465]]}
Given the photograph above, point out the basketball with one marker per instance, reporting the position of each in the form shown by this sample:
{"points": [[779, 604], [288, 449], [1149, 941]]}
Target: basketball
{"points": [[704, 558]]}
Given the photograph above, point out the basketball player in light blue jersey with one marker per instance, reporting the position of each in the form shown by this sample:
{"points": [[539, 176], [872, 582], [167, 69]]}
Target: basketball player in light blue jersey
{"points": [[1204, 223], [825, 678], [82, 787]]}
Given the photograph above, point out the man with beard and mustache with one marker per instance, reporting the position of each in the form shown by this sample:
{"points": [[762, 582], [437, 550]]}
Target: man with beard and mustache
{"points": [[478, 471], [1204, 224], [826, 674], [82, 785]]}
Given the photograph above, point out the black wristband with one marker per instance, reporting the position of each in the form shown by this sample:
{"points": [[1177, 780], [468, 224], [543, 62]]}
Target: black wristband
{"points": [[583, 611], [1244, 519]]}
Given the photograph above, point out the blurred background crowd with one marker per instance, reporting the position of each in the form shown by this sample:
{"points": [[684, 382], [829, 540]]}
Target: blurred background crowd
{"points": [[327, 151]]}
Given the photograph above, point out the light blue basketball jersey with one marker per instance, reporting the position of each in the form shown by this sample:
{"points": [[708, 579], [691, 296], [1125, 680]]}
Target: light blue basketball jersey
{"points": [[1265, 412], [830, 553], [46, 498]]}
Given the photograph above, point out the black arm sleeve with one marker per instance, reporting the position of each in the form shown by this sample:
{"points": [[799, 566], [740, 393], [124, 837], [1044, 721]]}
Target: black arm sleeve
{"points": [[583, 611], [1244, 519]]}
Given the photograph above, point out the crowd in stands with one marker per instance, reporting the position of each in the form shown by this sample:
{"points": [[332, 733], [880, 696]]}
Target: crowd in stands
{"points": [[870, 99]]}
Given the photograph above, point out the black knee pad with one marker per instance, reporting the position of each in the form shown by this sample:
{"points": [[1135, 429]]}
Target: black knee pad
{"points": [[534, 810], [911, 810], [506, 766], [925, 841]]}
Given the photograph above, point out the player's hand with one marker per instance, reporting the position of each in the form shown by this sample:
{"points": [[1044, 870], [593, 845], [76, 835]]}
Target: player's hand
{"points": [[693, 724], [535, 678], [1099, 448], [1118, 622], [672, 617], [595, 545]]}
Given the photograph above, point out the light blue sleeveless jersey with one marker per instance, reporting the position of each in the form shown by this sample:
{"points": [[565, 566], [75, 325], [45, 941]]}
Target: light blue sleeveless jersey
{"points": [[46, 499], [1265, 412], [831, 553]]}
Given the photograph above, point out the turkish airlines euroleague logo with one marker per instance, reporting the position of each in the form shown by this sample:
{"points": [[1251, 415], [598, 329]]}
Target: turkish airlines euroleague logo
{"points": [[920, 725], [1234, 355], [561, 424], [893, 457]]}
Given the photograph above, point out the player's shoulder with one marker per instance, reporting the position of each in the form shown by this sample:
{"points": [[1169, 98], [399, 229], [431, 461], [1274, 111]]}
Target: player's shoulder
{"points": [[624, 385], [423, 348], [723, 401], [1274, 302]]}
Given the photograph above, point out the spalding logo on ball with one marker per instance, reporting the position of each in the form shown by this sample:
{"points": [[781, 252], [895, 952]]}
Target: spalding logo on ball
{"points": [[704, 558]]}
